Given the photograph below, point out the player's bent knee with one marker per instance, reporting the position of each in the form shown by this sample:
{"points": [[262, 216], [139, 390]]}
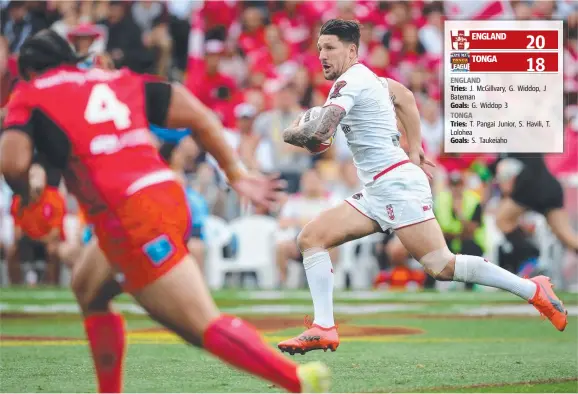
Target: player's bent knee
{"points": [[434, 263], [308, 238]]}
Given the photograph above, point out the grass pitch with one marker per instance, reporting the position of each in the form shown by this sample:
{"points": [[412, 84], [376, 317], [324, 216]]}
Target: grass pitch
{"points": [[391, 342]]}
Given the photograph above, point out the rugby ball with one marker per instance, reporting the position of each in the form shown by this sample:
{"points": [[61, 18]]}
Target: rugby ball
{"points": [[309, 115]]}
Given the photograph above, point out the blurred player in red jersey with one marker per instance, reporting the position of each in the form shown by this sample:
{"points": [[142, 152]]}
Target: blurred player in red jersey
{"points": [[38, 228], [100, 139]]}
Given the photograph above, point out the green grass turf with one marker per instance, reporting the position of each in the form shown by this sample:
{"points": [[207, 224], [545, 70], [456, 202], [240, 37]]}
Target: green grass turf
{"points": [[551, 387], [494, 354]]}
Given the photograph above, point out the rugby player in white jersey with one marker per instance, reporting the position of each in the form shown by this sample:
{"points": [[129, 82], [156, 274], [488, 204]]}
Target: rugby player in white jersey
{"points": [[397, 194]]}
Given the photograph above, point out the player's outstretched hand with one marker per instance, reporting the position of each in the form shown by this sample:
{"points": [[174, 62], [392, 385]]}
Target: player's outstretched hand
{"points": [[418, 158], [266, 190]]}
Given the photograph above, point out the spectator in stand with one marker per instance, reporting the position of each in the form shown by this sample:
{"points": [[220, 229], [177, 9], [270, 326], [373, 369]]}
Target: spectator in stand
{"points": [[571, 60], [124, 40], [232, 64], [395, 271], [213, 88], [294, 21], [252, 37], [179, 26], [78, 17], [17, 23], [349, 183], [255, 152], [299, 209], [459, 212], [432, 128], [290, 161], [7, 76], [153, 19], [87, 40], [372, 52], [417, 84], [69, 17], [522, 10], [206, 182], [397, 17], [431, 34], [544, 9], [412, 51], [44, 11]]}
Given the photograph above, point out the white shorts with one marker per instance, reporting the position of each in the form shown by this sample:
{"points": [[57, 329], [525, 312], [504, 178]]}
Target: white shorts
{"points": [[399, 198]]}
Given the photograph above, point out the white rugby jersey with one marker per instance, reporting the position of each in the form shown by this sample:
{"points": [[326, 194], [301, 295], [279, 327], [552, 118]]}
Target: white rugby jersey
{"points": [[370, 124]]}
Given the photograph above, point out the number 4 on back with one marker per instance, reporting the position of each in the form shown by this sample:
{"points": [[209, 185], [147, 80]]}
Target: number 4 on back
{"points": [[103, 106]]}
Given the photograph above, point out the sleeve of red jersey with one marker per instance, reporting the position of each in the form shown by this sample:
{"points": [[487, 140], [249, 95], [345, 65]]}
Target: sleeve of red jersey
{"points": [[19, 111]]}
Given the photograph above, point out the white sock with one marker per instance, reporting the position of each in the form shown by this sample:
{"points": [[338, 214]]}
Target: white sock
{"points": [[473, 269], [319, 272]]}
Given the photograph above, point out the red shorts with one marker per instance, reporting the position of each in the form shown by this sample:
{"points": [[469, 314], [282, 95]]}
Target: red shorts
{"points": [[145, 236]]}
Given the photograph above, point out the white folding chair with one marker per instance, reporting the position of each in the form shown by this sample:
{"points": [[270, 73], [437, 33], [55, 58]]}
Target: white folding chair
{"points": [[217, 235], [256, 236], [360, 268], [7, 239]]}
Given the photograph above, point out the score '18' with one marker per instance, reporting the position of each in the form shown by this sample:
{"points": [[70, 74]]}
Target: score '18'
{"points": [[539, 64]]}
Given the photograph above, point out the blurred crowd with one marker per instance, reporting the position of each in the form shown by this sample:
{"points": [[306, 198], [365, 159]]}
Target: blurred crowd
{"points": [[254, 63]]}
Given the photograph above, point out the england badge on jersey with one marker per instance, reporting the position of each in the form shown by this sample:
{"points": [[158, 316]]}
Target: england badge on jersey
{"points": [[336, 88]]}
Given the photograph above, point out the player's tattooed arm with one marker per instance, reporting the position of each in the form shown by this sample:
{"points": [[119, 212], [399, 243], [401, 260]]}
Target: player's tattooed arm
{"points": [[317, 130]]}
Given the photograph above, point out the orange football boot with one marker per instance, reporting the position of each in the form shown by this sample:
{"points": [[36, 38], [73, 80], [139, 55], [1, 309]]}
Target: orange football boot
{"points": [[548, 304], [314, 338]]}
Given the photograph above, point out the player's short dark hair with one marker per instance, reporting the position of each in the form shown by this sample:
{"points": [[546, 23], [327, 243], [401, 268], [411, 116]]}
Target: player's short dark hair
{"points": [[345, 30], [43, 51]]}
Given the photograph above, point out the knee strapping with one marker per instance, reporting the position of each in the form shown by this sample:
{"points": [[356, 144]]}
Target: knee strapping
{"points": [[311, 251], [435, 262]]}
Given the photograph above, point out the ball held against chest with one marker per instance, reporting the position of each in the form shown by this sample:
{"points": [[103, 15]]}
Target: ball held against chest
{"points": [[312, 114]]}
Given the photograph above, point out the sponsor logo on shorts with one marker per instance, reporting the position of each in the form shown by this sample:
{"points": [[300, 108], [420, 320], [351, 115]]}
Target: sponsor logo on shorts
{"points": [[159, 250], [357, 196], [390, 212], [427, 208]]}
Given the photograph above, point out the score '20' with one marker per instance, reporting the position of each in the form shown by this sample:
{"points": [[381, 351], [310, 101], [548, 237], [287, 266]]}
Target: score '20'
{"points": [[538, 42]]}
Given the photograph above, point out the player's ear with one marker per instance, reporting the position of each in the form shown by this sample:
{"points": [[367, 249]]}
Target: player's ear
{"points": [[352, 51]]}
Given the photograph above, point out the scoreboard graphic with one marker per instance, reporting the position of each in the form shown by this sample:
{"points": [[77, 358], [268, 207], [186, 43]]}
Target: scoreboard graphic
{"points": [[503, 86]]}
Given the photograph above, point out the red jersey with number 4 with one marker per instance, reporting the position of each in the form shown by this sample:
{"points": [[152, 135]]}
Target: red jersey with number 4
{"points": [[94, 125]]}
